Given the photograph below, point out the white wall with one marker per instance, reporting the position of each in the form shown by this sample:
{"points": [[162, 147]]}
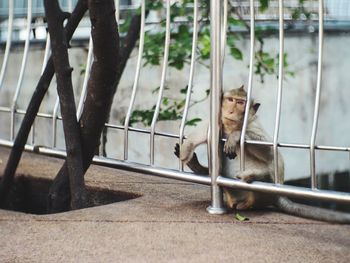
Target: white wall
{"points": [[297, 109]]}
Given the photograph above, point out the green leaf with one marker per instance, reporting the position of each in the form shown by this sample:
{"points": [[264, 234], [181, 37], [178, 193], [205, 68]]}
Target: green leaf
{"points": [[236, 53], [165, 101], [264, 4], [241, 218], [204, 46], [235, 22], [154, 5], [193, 122]]}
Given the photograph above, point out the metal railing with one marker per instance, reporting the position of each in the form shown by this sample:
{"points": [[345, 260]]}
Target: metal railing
{"points": [[216, 181]]}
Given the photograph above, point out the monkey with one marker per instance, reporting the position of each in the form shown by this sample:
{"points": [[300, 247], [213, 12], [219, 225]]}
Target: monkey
{"points": [[259, 161]]}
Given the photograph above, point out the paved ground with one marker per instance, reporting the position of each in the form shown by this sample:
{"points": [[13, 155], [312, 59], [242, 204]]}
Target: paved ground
{"points": [[168, 223]]}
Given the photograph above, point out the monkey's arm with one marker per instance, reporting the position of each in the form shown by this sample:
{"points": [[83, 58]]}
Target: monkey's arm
{"points": [[193, 163], [230, 145], [255, 133], [251, 175], [193, 140]]}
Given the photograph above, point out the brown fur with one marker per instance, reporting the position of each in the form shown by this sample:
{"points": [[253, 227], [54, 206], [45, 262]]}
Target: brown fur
{"points": [[259, 161]]}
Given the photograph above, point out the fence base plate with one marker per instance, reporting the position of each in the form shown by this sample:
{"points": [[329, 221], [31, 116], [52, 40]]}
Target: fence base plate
{"points": [[216, 210]]}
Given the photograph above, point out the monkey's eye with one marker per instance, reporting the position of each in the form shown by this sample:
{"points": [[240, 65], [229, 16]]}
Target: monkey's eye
{"points": [[240, 102], [230, 99]]}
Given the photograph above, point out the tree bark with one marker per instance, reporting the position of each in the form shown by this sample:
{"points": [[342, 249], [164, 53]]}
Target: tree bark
{"points": [[34, 104], [127, 46], [101, 89], [59, 45]]}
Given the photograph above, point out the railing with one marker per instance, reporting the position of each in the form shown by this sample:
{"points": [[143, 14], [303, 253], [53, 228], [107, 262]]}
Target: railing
{"points": [[216, 181]]}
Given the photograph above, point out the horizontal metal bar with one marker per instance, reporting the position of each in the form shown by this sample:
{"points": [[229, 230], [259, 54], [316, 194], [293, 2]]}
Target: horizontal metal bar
{"points": [[176, 136], [23, 112], [5, 109], [283, 190], [300, 146], [286, 190], [125, 165], [121, 127]]}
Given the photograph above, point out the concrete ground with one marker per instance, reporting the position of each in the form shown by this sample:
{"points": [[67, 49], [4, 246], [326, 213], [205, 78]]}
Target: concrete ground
{"points": [[168, 223]]}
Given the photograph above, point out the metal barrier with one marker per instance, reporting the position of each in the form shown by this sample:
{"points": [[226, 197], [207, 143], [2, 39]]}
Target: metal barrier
{"points": [[218, 33]]}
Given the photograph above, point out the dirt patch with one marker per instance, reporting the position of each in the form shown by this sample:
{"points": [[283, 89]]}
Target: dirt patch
{"points": [[29, 195]]}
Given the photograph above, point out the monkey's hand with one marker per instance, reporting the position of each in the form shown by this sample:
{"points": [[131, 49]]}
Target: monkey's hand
{"points": [[252, 175], [231, 144], [177, 150], [246, 176], [186, 152], [194, 158]]}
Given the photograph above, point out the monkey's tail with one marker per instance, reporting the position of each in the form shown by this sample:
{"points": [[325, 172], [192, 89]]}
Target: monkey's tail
{"points": [[289, 207]]}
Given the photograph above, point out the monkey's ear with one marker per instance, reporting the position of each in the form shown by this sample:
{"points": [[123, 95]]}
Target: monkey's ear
{"points": [[241, 88], [256, 107]]}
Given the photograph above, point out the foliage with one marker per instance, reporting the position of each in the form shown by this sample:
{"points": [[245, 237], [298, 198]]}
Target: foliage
{"points": [[266, 63], [301, 11], [241, 218], [171, 110]]}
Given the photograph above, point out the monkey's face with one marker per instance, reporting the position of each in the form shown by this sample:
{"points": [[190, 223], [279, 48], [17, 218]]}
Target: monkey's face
{"points": [[232, 109]]}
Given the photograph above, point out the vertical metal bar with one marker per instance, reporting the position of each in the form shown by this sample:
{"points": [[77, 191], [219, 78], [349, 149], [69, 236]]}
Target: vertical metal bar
{"points": [[54, 122], [86, 79], [318, 96], [190, 80], [23, 68], [224, 30], [8, 43], [217, 206], [250, 82], [279, 91], [32, 137], [162, 81], [47, 52], [46, 58], [136, 80], [117, 10]]}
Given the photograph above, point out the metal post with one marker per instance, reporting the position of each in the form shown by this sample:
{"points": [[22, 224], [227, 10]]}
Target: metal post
{"points": [[136, 80], [86, 79], [23, 68], [162, 81], [191, 76], [279, 91], [317, 99], [250, 83], [217, 206], [8, 42]]}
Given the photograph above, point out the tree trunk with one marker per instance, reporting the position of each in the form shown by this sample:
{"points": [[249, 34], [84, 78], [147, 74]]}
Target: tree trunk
{"points": [[34, 104], [127, 46], [101, 89], [63, 70]]}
